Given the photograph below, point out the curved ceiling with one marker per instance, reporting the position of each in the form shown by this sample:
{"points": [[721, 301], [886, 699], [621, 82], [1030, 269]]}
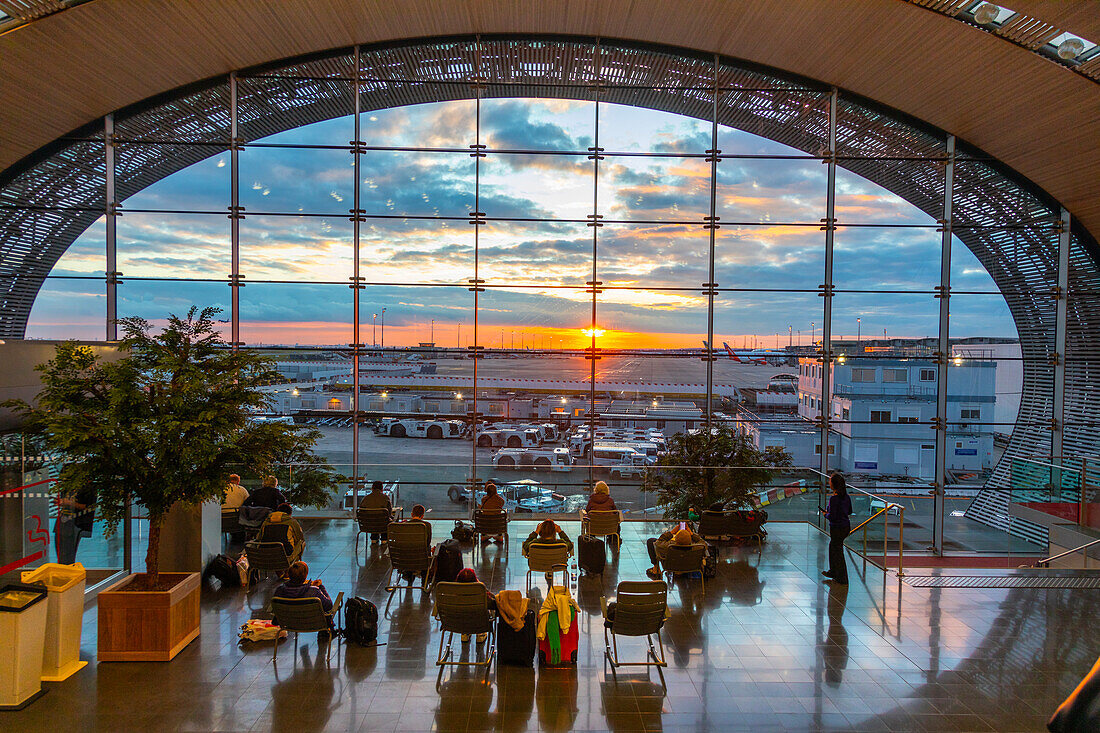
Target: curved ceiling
{"points": [[72, 67]]}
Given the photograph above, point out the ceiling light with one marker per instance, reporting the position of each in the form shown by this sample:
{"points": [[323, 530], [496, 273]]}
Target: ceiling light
{"points": [[986, 14], [1070, 48]]}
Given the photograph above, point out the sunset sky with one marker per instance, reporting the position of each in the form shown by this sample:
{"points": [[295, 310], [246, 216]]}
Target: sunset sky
{"points": [[298, 266]]}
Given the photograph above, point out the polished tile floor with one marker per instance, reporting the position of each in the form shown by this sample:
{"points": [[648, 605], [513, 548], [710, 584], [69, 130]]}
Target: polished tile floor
{"points": [[768, 647]]}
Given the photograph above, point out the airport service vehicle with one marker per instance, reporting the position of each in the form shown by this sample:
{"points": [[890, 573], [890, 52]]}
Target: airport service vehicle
{"points": [[407, 428], [545, 459], [391, 489], [524, 496], [496, 437], [620, 460]]}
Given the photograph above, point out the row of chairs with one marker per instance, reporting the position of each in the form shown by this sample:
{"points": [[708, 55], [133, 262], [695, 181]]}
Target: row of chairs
{"points": [[604, 524], [639, 610]]}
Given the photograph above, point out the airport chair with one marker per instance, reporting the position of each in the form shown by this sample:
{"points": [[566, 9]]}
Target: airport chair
{"points": [[303, 616], [374, 521], [603, 523], [548, 558], [490, 524], [265, 558], [738, 526], [230, 523], [463, 608], [640, 609], [410, 549], [684, 559], [251, 518], [712, 525]]}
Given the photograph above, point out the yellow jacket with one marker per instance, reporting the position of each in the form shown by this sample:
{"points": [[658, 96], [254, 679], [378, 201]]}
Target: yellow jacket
{"points": [[557, 599]]}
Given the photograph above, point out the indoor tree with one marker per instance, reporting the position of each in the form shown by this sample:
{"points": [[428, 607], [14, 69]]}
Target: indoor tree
{"points": [[712, 466], [166, 423]]}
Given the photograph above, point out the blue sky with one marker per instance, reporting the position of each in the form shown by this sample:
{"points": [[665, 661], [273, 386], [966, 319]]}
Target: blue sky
{"points": [[417, 267]]}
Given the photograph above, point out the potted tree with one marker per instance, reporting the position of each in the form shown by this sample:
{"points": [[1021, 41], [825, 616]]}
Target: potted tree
{"points": [[716, 466], [164, 424]]}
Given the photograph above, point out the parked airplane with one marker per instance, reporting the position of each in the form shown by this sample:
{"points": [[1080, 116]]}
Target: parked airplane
{"points": [[746, 360]]}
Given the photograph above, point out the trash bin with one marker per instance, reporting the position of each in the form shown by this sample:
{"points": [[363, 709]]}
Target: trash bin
{"points": [[64, 617], [22, 632]]}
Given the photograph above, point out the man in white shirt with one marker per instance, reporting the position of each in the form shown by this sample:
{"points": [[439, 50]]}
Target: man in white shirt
{"points": [[235, 494]]}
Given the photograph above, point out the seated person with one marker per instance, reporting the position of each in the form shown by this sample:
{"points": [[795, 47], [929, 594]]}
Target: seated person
{"points": [[267, 495], [296, 586], [377, 499], [417, 517], [467, 575], [600, 500], [493, 501], [283, 528], [235, 494], [547, 533], [658, 546]]}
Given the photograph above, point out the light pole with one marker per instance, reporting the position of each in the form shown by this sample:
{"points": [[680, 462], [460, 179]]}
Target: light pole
{"points": [[813, 333], [374, 330], [790, 336], [383, 319], [859, 325], [431, 333]]}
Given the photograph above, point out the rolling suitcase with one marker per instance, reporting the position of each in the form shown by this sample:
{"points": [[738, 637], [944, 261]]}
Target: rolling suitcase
{"points": [[568, 645], [517, 647], [591, 554], [448, 561]]}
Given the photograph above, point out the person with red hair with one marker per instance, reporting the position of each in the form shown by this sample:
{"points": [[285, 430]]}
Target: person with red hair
{"points": [[467, 575]]}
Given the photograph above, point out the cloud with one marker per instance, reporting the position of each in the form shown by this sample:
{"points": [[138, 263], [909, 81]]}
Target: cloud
{"points": [[665, 263]]}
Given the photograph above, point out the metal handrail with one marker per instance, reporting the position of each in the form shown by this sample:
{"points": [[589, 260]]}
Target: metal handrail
{"points": [[1046, 562], [869, 519]]}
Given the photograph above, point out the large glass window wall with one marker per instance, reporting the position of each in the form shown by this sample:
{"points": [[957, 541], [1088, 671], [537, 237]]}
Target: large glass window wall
{"points": [[526, 258]]}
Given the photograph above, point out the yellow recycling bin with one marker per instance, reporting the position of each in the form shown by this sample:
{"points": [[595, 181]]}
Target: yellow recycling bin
{"points": [[64, 617], [22, 628]]}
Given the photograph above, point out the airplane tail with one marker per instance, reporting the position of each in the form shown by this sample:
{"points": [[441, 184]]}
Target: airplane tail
{"points": [[732, 354]]}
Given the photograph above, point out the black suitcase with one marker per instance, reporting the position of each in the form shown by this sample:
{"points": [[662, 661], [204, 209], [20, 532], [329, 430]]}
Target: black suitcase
{"points": [[448, 561], [591, 554], [517, 647]]}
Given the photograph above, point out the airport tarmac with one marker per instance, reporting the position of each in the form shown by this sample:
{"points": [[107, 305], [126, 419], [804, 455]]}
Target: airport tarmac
{"points": [[682, 368]]}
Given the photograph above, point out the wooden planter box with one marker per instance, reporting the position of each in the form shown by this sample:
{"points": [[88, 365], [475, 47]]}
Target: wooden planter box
{"points": [[148, 626]]}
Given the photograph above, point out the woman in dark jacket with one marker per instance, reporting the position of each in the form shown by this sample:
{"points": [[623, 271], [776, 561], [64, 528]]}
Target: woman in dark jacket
{"points": [[838, 511]]}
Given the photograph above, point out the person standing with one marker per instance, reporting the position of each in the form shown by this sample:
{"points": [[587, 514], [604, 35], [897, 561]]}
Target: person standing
{"points": [[75, 517], [838, 511]]}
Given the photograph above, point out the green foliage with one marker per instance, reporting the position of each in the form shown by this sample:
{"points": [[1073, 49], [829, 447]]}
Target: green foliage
{"points": [[708, 467], [305, 478], [166, 423]]}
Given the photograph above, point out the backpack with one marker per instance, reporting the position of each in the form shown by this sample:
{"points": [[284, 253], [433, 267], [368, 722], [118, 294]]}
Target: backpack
{"points": [[463, 532], [360, 621], [224, 569]]}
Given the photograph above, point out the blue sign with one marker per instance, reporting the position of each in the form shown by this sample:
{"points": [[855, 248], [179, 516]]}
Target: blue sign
{"points": [[966, 451], [873, 465]]}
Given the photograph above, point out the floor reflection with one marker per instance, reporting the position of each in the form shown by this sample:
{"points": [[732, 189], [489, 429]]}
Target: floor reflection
{"points": [[834, 651], [767, 646]]}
